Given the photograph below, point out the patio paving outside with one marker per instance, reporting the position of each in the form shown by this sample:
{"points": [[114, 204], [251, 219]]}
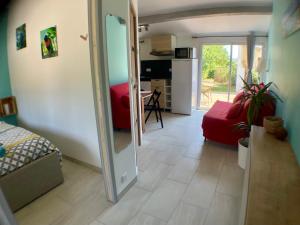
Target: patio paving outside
{"points": [[207, 103]]}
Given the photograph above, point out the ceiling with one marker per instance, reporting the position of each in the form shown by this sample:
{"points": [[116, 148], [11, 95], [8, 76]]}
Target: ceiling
{"points": [[214, 25], [209, 25], [154, 7]]}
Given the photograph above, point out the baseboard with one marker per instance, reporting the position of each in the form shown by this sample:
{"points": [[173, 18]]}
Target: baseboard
{"points": [[85, 164]]}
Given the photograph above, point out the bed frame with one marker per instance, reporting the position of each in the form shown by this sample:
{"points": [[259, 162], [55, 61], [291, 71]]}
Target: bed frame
{"points": [[31, 181]]}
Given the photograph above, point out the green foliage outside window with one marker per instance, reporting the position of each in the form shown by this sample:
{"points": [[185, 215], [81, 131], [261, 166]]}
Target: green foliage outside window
{"points": [[215, 66]]}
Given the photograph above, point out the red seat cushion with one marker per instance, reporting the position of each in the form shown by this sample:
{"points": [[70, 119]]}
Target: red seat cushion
{"points": [[218, 128], [125, 101], [120, 106], [235, 110], [219, 110]]}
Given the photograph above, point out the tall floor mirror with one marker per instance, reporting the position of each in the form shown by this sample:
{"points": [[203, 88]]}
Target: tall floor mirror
{"points": [[118, 73]]}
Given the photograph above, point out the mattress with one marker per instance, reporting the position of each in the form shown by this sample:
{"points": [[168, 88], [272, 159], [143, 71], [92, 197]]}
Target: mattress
{"points": [[22, 147]]}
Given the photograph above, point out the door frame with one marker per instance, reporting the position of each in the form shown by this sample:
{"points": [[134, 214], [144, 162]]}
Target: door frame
{"points": [[219, 40], [100, 100], [135, 48], [98, 50]]}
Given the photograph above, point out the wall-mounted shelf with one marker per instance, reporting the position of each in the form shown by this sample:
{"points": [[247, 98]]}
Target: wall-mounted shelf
{"points": [[8, 106]]}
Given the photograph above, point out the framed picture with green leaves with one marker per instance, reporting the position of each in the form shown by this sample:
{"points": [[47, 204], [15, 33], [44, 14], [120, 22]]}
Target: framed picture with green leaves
{"points": [[48, 39]]}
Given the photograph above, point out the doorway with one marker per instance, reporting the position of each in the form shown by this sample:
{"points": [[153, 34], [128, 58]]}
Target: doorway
{"points": [[223, 66]]}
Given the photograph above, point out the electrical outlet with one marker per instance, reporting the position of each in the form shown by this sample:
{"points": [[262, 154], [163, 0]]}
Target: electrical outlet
{"points": [[124, 178]]}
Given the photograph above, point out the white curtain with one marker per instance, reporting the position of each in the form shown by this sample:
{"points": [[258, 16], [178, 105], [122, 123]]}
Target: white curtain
{"points": [[250, 56]]}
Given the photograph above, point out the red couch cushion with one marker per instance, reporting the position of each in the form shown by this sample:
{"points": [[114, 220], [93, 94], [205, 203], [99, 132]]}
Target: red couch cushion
{"points": [[218, 128], [125, 101], [120, 111], [235, 110], [219, 110], [244, 114]]}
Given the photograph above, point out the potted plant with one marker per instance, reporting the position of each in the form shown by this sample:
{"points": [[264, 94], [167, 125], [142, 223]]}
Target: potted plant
{"points": [[258, 96]]}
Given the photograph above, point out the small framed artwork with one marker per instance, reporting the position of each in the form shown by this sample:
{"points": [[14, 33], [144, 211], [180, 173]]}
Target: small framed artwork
{"points": [[21, 37], [291, 18], [48, 39]]}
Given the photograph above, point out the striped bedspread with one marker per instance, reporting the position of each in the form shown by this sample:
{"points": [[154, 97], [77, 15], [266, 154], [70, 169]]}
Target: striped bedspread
{"points": [[22, 147]]}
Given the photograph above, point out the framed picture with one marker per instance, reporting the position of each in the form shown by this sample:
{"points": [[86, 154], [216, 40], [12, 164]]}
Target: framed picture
{"points": [[21, 37], [49, 46], [291, 18]]}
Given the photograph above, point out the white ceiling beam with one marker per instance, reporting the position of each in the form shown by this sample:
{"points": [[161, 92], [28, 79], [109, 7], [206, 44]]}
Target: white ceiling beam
{"points": [[205, 12]]}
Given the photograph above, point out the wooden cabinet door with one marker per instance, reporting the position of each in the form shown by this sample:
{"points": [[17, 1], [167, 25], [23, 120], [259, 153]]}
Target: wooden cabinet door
{"points": [[162, 43]]}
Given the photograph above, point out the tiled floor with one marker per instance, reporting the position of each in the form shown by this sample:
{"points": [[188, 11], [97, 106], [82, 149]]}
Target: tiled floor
{"points": [[78, 201], [182, 181]]}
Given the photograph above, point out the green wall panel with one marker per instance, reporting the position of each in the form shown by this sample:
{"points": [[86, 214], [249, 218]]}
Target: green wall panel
{"points": [[285, 72], [5, 88]]}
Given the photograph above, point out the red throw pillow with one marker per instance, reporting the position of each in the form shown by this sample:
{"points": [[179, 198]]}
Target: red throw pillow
{"points": [[262, 85], [235, 110], [238, 97], [245, 110], [125, 101]]}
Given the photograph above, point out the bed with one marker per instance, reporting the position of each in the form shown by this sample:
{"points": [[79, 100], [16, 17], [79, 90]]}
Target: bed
{"points": [[30, 168]]}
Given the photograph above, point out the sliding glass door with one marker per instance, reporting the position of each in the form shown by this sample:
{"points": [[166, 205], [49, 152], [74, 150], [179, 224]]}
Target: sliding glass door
{"points": [[218, 78], [222, 69]]}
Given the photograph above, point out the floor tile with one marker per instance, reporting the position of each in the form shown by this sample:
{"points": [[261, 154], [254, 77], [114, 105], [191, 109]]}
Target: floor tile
{"points": [[194, 150], [153, 176], [96, 223], [145, 157], [184, 170], [164, 200], [182, 181], [74, 192], [224, 211], [158, 146], [85, 212], [188, 215], [232, 157], [169, 140], [43, 211], [231, 180], [210, 168], [126, 208], [171, 155], [212, 150], [201, 190], [81, 198], [144, 219]]}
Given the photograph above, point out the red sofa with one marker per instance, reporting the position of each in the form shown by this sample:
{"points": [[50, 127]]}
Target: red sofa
{"points": [[218, 127], [120, 106]]}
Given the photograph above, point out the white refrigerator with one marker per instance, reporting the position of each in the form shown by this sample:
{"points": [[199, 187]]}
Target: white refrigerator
{"points": [[184, 73]]}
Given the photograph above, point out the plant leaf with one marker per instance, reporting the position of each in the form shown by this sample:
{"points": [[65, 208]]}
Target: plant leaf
{"points": [[276, 95]]}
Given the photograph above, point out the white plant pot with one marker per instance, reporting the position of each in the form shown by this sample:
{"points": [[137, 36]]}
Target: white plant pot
{"points": [[243, 152]]}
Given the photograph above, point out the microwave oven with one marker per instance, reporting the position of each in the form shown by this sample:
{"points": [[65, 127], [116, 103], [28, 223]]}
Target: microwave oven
{"points": [[185, 53]]}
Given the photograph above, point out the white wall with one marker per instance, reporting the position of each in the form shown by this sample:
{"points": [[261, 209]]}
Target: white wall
{"points": [[55, 96]]}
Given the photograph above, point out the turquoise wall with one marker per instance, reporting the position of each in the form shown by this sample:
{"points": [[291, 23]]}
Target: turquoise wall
{"points": [[285, 72], [5, 88], [116, 50]]}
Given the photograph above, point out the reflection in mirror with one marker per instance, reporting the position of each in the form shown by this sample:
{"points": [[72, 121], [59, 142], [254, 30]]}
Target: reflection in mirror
{"points": [[117, 51]]}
